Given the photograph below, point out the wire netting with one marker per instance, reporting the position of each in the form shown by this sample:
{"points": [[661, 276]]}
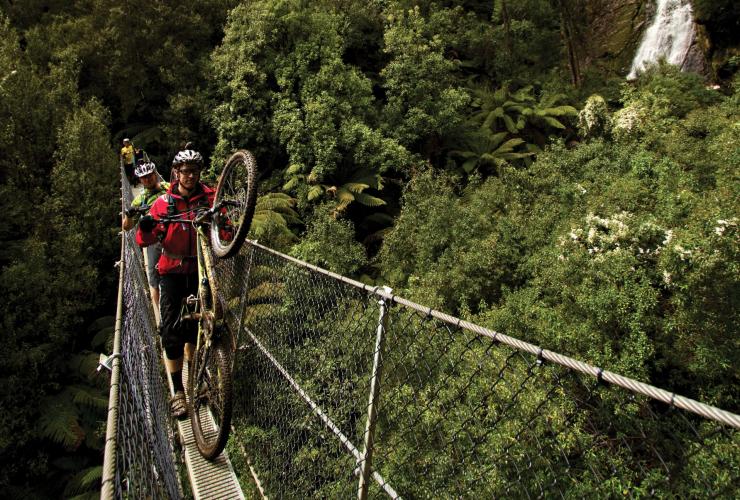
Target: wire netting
{"points": [[461, 411], [144, 459], [460, 414]]}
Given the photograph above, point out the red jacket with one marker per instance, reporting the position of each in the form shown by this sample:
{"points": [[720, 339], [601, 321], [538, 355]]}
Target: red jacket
{"points": [[178, 239]]}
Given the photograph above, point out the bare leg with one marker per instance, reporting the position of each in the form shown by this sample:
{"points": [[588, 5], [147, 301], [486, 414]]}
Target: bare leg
{"points": [[189, 349], [173, 365], [155, 300], [155, 296]]}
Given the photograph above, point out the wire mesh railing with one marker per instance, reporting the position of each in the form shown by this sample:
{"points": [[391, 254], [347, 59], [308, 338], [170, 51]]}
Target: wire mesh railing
{"points": [[344, 389], [139, 457]]}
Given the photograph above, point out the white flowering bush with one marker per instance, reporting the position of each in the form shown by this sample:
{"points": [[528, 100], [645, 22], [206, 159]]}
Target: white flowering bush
{"points": [[629, 121], [621, 232], [594, 120]]}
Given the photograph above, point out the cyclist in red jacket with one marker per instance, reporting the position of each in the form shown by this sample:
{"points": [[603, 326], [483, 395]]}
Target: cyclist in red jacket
{"points": [[177, 264]]}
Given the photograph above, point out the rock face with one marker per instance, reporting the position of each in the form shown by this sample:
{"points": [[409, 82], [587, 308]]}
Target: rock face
{"points": [[696, 60], [613, 32]]}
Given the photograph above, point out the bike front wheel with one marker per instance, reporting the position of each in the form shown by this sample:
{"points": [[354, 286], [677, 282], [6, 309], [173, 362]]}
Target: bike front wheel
{"points": [[210, 393], [236, 197]]}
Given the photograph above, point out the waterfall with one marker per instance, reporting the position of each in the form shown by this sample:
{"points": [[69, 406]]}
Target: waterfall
{"points": [[670, 36]]}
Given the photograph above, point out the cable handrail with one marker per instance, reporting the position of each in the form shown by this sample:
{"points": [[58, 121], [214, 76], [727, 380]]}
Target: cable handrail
{"points": [[671, 398]]}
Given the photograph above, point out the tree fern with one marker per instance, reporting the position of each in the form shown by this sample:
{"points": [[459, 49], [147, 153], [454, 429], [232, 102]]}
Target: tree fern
{"points": [[315, 192], [89, 397], [345, 189], [85, 484], [273, 216], [520, 113], [60, 421], [485, 148], [369, 201]]}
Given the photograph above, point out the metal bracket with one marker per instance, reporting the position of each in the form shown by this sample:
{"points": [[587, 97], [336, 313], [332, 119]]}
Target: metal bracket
{"points": [[105, 361]]}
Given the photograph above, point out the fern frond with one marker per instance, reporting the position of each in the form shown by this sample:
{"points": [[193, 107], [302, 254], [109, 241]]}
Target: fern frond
{"points": [[367, 200], [380, 218], [496, 139], [490, 119], [87, 396], [292, 183], [500, 94], [272, 204], [291, 218], [550, 99], [513, 156], [59, 421], [267, 218], [345, 196], [561, 111], [315, 192], [355, 187], [82, 483], [295, 168], [509, 145], [509, 123], [279, 196], [553, 122], [524, 94], [470, 165]]}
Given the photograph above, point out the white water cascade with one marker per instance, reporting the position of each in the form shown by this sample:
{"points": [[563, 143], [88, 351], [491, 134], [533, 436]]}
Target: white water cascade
{"points": [[670, 36]]}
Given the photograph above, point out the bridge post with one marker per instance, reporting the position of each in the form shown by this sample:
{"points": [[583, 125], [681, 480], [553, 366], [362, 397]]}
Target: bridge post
{"points": [[365, 463]]}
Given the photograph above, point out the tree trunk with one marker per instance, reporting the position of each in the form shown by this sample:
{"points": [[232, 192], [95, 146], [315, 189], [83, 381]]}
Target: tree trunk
{"points": [[568, 33]]}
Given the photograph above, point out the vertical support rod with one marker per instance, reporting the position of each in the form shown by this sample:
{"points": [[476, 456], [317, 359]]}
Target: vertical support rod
{"points": [[243, 298], [365, 464]]}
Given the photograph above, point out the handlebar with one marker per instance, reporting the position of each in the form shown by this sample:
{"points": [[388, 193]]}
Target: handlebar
{"points": [[140, 210], [202, 216]]}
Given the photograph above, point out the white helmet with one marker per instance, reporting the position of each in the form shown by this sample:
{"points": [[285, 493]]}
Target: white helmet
{"points": [[145, 169], [188, 156]]}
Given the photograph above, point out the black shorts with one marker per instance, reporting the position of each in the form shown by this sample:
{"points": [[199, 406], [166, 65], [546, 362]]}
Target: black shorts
{"points": [[173, 288], [129, 169]]}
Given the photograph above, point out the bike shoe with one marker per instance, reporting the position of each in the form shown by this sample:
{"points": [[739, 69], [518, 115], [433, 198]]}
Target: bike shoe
{"points": [[178, 406]]}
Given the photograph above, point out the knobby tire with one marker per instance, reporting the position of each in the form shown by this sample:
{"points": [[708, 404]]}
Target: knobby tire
{"points": [[237, 193], [211, 392]]}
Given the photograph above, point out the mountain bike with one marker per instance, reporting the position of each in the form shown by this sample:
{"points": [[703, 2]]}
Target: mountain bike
{"points": [[221, 231]]}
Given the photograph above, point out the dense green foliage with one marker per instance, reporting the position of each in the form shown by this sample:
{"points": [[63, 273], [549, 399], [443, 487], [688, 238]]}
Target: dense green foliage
{"points": [[622, 252], [429, 145], [69, 80]]}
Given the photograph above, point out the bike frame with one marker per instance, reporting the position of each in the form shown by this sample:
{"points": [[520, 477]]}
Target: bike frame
{"points": [[207, 285]]}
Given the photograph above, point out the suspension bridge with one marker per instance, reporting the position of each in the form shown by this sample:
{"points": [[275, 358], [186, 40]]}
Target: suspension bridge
{"points": [[347, 390]]}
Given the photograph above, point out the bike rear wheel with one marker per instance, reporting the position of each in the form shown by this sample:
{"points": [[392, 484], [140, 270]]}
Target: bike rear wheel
{"points": [[236, 194], [210, 393]]}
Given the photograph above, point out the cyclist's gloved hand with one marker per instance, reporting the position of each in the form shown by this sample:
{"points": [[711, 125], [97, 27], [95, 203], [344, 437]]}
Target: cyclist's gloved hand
{"points": [[129, 212], [147, 223]]}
